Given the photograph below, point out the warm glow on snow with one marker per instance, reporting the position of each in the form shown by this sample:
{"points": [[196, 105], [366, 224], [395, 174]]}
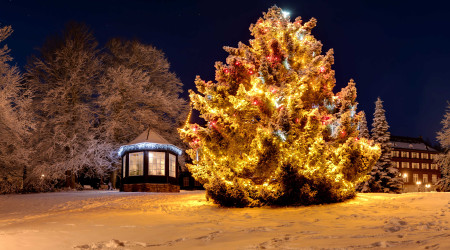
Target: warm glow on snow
{"points": [[186, 220]]}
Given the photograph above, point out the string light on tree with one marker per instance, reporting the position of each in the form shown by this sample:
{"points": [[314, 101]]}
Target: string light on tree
{"points": [[285, 14]]}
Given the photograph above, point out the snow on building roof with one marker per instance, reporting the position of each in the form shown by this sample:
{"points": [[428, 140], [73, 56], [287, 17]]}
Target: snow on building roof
{"points": [[149, 140], [404, 142], [149, 136]]}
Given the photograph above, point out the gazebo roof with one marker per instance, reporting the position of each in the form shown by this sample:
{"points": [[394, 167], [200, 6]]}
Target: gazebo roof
{"points": [[149, 140], [149, 136]]}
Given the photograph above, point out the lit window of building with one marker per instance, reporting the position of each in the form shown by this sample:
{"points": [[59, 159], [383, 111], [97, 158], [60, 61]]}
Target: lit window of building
{"points": [[433, 178], [415, 165], [434, 166], [404, 154], [396, 164], [415, 178], [425, 178], [425, 165], [136, 164], [405, 178], [124, 163], [172, 165], [156, 163], [414, 155], [405, 164]]}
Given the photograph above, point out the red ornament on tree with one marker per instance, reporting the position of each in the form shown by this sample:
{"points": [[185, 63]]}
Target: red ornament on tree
{"points": [[322, 69], [226, 71], [212, 124], [195, 143], [325, 120], [250, 72]]}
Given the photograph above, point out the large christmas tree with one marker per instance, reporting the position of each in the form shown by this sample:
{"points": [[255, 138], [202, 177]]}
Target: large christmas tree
{"points": [[276, 133]]}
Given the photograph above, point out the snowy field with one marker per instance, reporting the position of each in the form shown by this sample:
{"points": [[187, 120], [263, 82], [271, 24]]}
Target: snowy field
{"points": [[114, 220]]}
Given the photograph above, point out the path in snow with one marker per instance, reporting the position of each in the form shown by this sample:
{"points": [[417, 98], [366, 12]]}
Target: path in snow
{"points": [[114, 220]]}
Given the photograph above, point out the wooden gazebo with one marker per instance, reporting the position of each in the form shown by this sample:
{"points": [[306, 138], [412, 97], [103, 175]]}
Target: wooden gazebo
{"points": [[149, 164]]}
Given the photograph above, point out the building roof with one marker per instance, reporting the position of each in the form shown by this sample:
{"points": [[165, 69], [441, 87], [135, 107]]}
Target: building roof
{"points": [[149, 136], [149, 140], [405, 142]]}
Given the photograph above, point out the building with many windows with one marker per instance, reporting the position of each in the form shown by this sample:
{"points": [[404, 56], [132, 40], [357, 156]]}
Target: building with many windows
{"points": [[150, 164], [415, 161]]}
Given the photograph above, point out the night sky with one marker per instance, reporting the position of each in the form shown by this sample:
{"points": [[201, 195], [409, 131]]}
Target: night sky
{"points": [[396, 50]]}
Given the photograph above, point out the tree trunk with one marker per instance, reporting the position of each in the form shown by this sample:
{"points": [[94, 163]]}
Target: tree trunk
{"points": [[113, 178]]}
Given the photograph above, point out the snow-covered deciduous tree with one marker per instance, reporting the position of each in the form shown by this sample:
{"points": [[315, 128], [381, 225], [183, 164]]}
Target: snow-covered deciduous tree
{"points": [[15, 122], [363, 130], [64, 78], [384, 177], [137, 91], [443, 159]]}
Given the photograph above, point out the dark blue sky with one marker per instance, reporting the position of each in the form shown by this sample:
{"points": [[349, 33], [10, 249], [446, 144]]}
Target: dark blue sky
{"points": [[397, 50]]}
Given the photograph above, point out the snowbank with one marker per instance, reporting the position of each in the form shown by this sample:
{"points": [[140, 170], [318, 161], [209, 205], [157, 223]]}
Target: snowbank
{"points": [[114, 220]]}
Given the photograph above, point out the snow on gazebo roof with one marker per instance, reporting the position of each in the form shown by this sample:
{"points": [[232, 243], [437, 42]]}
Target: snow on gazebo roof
{"points": [[149, 136], [149, 140]]}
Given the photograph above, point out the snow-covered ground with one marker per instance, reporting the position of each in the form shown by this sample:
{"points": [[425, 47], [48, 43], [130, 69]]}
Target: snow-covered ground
{"points": [[114, 220]]}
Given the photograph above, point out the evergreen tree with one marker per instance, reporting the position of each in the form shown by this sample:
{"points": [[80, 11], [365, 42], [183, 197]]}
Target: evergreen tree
{"points": [[384, 177], [363, 130], [15, 121], [276, 133], [443, 160]]}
